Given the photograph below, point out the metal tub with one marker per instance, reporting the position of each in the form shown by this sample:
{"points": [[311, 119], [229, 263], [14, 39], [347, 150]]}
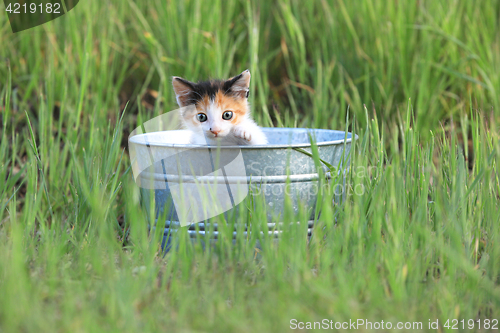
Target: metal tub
{"points": [[283, 167]]}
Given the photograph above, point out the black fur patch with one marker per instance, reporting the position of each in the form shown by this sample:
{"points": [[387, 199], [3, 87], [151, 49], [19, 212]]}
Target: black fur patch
{"points": [[209, 88]]}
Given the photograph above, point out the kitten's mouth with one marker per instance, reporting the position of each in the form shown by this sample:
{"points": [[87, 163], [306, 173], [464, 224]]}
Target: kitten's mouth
{"points": [[215, 135]]}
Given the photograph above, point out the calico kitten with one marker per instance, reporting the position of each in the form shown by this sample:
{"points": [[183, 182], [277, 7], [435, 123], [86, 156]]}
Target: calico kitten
{"points": [[221, 114]]}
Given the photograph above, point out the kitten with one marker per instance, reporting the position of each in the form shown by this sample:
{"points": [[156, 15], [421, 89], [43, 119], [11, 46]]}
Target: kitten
{"points": [[221, 114]]}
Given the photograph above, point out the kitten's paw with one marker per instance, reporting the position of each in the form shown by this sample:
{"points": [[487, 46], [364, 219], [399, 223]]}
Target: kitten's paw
{"points": [[243, 134]]}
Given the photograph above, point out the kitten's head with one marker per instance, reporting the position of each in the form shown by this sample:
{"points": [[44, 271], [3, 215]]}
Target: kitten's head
{"points": [[219, 105]]}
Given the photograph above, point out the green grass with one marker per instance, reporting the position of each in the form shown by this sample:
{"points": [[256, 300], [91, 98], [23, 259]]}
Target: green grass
{"points": [[418, 237]]}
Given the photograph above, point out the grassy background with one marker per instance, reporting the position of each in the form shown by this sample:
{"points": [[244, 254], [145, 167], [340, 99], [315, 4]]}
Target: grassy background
{"points": [[420, 242]]}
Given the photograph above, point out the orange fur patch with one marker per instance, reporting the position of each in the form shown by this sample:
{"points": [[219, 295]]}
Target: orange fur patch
{"points": [[228, 103], [203, 104]]}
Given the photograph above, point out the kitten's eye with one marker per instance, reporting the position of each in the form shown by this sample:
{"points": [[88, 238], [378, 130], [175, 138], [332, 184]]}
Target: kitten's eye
{"points": [[201, 117], [227, 115]]}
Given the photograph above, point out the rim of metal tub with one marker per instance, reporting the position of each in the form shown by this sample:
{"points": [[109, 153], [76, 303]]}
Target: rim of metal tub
{"points": [[347, 138]]}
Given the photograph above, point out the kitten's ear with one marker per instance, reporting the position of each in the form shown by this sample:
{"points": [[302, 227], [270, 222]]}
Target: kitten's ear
{"points": [[240, 84], [182, 89]]}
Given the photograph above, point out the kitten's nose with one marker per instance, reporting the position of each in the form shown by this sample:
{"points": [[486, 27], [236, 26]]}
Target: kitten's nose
{"points": [[215, 131]]}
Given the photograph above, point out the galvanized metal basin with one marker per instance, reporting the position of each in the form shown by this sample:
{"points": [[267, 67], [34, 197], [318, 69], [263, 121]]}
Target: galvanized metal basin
{"points": [[282, 167]]}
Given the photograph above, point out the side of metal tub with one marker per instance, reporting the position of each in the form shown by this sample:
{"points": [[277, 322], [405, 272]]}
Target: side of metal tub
{"points": [[283, 167]]}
